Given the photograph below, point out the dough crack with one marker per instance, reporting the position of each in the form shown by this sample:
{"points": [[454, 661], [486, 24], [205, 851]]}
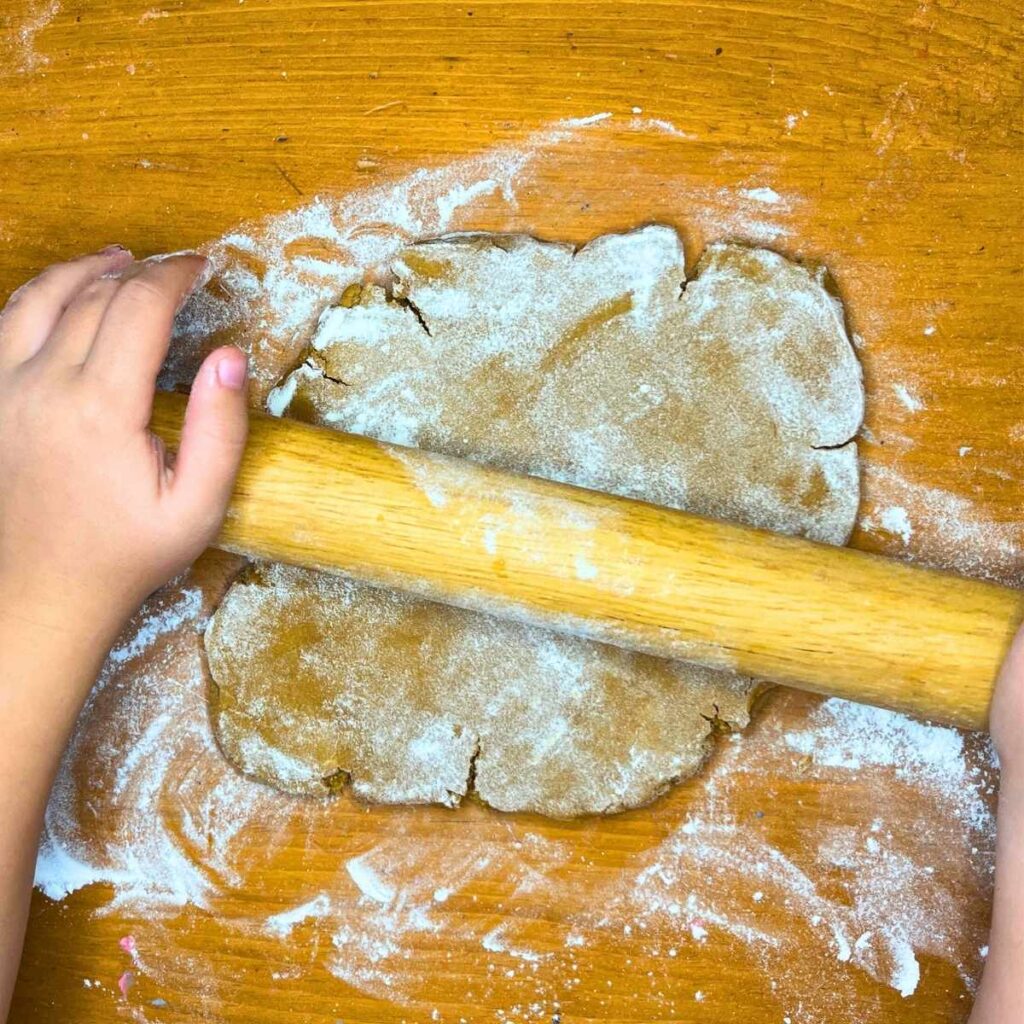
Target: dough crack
{"points": [[308, 361], [416, 312]]}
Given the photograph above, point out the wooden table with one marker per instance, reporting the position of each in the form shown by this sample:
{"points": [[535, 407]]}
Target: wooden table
{"points": [[889, 136]]}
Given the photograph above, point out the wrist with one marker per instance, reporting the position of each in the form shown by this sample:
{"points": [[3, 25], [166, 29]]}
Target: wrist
{"points": [[57, 612]]}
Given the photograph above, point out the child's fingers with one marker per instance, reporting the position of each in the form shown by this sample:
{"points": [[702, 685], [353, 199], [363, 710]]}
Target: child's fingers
{"points": [[212, 441], [132, 340], [71, 340], [33, 310]]}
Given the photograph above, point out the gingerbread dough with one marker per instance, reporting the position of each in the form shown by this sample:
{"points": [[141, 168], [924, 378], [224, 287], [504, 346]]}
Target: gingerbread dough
{"points": [[735, 395]]}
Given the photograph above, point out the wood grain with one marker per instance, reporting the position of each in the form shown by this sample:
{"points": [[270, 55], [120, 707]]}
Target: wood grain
{"points": [[894, 127], [834, 621]]}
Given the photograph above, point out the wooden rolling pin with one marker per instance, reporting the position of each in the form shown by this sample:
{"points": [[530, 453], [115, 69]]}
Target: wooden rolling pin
{"points": [[827, 619]]}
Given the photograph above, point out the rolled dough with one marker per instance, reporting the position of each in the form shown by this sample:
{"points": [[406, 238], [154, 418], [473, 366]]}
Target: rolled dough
{"points": [[735, 395]]}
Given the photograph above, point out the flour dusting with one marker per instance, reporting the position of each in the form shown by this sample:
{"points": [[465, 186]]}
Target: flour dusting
{"points": [[273, 278], [712, 875], [861, 884], [907, 398], [19, 41], [855, 737], [895, 520], [943, 529], [369, 882], [284, 923], [734, 396]]}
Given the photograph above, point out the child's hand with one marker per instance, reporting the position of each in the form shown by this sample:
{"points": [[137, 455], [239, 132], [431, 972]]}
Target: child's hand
{"points": [[1007, 712], [1001, 996], [93, 515]]}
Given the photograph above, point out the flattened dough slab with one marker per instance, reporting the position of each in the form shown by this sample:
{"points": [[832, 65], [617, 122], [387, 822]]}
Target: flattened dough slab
{"points": [[736, 396]]}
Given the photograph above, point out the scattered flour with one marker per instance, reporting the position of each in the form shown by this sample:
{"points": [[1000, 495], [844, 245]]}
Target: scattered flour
{"points": [[368, 882], [284, 923], [908, 398], [17, 47], [146, 806], [657, 124], [273, 278], [185, 835], [495, 942], [793, 120], [186, 609], [762, 195], [853, 737], [894, 905], [943, 529], [895, 520]]}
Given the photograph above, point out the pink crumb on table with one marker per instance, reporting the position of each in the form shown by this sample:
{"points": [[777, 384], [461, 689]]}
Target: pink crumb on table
{"points": [[127, 944], [125, 982]]}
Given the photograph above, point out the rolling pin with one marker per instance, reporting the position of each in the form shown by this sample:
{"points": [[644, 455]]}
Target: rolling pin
{"points": [[624, 572]]}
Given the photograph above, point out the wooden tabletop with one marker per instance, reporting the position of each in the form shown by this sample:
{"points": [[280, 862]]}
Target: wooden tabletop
{"points": [[824, 867]]}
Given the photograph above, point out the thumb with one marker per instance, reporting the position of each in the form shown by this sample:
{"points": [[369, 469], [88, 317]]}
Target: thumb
{"points": [[212, 440]]}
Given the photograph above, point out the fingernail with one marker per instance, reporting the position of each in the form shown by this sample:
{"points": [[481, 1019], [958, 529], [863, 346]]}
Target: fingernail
{"points": [[113, 250], [161, 256], [203, 278], [204, 275], [232, 371]]}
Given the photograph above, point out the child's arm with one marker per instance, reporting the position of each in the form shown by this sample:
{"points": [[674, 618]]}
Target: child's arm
{"points": [[1001, 996], [92, 516]]}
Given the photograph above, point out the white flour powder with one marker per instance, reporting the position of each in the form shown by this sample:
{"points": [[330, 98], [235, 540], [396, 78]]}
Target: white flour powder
{"points": [[18, 42], [146, 805]]}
